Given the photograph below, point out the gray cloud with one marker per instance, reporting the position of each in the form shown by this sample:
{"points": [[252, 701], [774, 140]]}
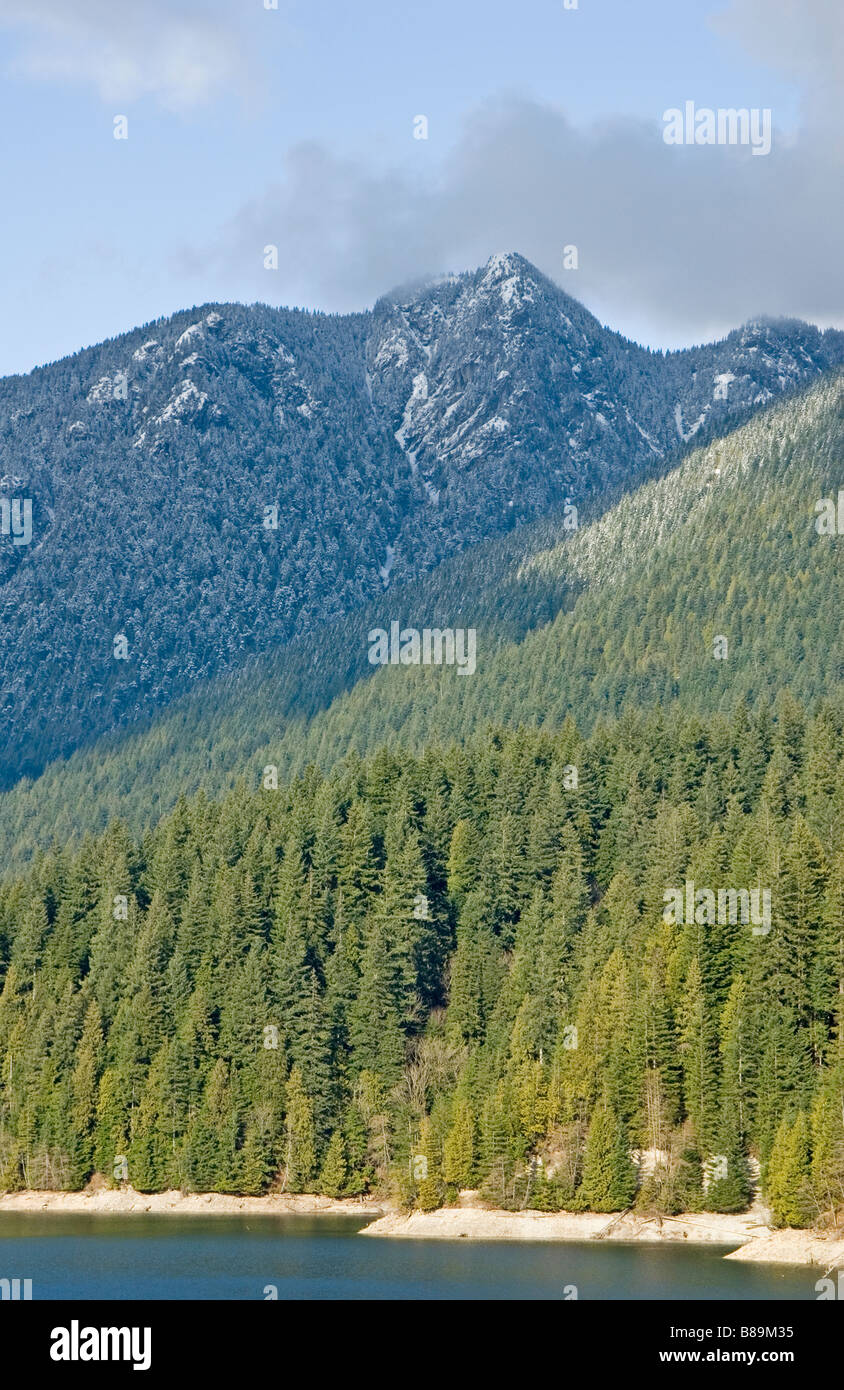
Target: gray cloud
{"points": [[675, 244], [803, 39], [686, 241]]}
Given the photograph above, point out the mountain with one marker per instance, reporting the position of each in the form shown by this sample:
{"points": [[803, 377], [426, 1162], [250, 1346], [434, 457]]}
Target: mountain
{"points": [[431, 951], [422, 974], [215, 484], [622, 614]]}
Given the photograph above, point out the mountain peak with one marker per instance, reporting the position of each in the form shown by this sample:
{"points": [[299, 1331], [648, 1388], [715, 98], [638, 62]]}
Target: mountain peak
{"points": [[511, 268], [506, 263], [387, 442]]}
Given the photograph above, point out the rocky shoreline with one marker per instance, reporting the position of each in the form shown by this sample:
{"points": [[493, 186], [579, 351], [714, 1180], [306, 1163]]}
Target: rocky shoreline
{"points": [[125, 1200], [749, 1233], [480, 1223]]}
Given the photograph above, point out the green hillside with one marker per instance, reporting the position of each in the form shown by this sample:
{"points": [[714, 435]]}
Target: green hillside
{"points": [[625, 612], [589, 904], [429, 973]]}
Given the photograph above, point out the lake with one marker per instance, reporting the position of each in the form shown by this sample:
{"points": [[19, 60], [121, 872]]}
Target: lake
{"points": [[234, 1257]]}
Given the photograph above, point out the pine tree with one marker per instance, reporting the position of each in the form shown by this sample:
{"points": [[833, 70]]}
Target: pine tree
{"points": [[730, 1188], [609, 1176], [112, 1132], [84, 1086], [429, 1192], [737, 1059], [698, 1051], [299, 1153], [827, 1144], [788, 1173], [459, 1148], [254, 1166], [152, 1150], [375, 1023], [464, 861], [332, 1178]]}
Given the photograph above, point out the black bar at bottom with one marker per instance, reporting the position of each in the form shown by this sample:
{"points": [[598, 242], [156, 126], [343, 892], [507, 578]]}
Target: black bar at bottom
{"points": [[236, 1340]]}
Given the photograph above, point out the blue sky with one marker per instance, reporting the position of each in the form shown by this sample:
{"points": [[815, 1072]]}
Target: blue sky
{"points": [[294, 127]]}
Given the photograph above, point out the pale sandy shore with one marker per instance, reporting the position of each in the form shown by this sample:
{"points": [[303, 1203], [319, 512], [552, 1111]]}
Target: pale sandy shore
{"points": [[795, 1248], [122, 1201], [479, 1223], [755, 1240], [749, 1233]]}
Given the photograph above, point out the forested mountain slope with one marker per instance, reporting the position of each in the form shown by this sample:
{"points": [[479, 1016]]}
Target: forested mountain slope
{"points": [[422, 974], [726, 546], [212, 484], [623, 612]]}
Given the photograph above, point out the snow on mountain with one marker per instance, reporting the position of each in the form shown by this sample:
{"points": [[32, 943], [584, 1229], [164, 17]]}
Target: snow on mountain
{"points": [[381, 443]]}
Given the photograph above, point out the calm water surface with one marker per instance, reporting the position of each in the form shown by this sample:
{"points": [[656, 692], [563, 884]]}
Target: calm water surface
{"points": [[233, 1257]]}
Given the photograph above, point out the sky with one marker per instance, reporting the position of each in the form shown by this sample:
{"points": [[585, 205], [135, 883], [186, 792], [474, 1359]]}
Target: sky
{"points": [[294, 127]]}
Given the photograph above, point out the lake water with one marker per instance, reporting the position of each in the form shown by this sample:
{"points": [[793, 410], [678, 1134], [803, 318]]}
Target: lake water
{"points": [[233, 1257]]}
